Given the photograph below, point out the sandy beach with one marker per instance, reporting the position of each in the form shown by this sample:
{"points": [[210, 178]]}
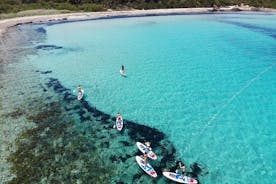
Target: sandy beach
{"points": [[4, 24]]}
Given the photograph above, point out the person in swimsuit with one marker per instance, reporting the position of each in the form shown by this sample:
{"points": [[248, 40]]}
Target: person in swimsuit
{"points": [[148, 147], [180, 168], [145, 158]]}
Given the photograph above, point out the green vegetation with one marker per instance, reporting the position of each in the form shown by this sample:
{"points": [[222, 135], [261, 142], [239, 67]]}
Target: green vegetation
{"points": [[12, 6], [33, 13]]}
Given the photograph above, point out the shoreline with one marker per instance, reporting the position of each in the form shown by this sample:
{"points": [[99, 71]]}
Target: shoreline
{"points": [[6, 23]]}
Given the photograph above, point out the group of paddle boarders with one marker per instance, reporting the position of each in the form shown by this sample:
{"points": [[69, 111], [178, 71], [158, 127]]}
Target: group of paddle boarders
{"points": [[147, 149], [175, 173], [119, 119], [142, 160]]}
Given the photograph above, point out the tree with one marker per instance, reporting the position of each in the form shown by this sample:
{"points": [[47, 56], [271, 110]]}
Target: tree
{"points": [[76, 2]]}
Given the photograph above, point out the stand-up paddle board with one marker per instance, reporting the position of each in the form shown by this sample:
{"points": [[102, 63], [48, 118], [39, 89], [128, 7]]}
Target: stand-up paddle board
{"points": [[179, 178], [119, 123], [80, 95], [147, 168], [123, 73], [143, 148]]}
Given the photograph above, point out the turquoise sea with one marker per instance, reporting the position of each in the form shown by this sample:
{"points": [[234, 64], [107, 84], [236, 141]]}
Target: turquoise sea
{"points": [[208, 82]]}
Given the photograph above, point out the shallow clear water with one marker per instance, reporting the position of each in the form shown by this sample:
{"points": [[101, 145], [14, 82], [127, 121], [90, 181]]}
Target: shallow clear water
{"points": [[207, 81]]}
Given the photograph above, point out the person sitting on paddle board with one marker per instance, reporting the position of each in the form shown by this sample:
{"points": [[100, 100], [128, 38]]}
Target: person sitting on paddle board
{"points": [[179, 166], [119, 117], [148, 146]]}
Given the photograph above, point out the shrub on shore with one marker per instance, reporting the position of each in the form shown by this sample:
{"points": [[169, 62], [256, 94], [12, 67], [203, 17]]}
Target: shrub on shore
{"points": [[12, 6]]}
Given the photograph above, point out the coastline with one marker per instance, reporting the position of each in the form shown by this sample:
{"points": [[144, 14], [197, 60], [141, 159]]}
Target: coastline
{"points": [[6, 23]]}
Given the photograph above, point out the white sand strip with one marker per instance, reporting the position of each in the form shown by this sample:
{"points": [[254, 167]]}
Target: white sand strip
{"points": [[4, 24]]}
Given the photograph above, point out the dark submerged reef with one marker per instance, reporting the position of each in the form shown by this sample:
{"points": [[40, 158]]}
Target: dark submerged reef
{"points": [[135, 131], [75, 142], [267, 31], [41, 30], [48, 47]]}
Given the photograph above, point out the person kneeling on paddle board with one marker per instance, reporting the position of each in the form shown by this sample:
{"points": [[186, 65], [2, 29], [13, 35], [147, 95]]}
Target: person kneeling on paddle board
{"points": [[119, 117], [148, 146]]}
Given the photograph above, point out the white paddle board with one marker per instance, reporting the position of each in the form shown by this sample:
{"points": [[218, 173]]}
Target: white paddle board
{"points": [[147, 168], [123, 73], [119, 123], [143, 148], [179, 178]]}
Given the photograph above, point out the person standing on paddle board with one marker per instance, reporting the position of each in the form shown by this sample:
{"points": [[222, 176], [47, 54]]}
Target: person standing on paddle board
{"points": [[123, 68], [80, 90], [145, 158]]}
